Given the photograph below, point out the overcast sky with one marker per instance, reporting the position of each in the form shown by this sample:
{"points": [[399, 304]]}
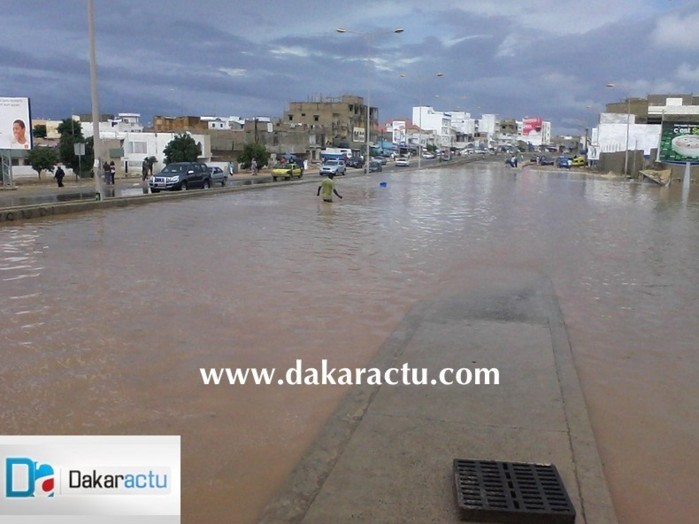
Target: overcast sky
{"points": [[514, 58]]}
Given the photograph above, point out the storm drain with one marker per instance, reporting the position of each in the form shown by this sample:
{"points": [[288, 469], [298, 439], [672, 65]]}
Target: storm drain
{"points": [[511, 493]]}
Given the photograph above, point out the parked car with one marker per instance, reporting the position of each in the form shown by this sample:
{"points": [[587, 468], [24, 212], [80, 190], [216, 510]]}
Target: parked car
{"points": [[402, 161], [563, 161], [545, 161], [375, 166], [181, 175], [427, 155], [578, 161], [286, 171], [218, 176], [380, 159], [336, 167]]}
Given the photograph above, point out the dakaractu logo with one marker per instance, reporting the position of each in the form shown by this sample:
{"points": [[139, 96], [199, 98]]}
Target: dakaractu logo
{"points": [[26, 478]]}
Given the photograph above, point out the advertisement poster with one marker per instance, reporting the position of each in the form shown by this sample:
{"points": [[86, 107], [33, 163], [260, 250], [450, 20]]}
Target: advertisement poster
{"points": [[679, 142], [532, 125], [399, 134], [15, 123], [358, 134]]}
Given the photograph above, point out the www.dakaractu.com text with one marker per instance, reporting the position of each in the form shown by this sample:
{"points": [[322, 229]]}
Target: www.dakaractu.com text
{"points": [[324, 375]]}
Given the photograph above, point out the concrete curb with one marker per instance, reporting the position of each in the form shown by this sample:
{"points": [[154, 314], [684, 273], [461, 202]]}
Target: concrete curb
{"points": [[28, 212], [261, 181]]}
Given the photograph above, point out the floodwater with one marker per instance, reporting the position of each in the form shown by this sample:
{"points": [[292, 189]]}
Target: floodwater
{"points": [[107, 317]]}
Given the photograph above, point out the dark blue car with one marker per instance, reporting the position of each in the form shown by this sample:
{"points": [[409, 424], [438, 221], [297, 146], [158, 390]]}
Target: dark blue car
{"points": [[563, 161]]}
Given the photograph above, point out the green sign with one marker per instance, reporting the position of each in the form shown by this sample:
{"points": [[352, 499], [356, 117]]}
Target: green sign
{"points": [[679, 142]]}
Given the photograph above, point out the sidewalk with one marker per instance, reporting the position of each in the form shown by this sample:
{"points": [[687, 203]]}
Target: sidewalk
{"points": [[34, 198], [386, 455]]}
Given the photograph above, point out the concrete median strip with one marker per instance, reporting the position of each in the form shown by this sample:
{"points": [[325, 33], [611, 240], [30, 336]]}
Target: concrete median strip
{"points": [[387, 453]]}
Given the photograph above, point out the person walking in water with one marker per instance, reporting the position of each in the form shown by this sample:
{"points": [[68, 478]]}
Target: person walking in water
{"points": [[327, 188]]}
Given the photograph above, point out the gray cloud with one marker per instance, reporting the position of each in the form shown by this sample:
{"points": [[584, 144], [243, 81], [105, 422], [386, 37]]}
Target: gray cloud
{"points": [[549, 59]]}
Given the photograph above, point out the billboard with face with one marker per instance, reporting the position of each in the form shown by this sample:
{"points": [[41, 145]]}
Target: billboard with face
{"points": [[15, 123], [679, 142]]}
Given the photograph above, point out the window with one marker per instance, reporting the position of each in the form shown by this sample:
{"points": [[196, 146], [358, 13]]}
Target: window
{"points": [[139, 148], [316, 118], [291, 118]]}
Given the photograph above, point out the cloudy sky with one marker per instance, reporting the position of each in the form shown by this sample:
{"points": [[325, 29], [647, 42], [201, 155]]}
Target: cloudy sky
{"points": [[514, 58]]}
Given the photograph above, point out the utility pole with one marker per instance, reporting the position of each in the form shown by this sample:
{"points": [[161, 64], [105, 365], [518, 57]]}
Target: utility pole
{"points": [[95, 103]]}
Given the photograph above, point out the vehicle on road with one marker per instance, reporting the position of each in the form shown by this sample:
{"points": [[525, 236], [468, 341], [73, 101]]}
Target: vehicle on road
{"points": [[563, 161], [427, 155], [546, 160], [287, 171], [355, 161], [336, 167], [218, 176], [402, 161], [181, 176], [375, 166]]}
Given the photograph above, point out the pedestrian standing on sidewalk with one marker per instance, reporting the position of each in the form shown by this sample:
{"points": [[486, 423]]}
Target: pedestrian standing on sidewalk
{"points": [[59, 176], [327, 187], [145, 168], [106, 172], [112, 172], [253, 166]]}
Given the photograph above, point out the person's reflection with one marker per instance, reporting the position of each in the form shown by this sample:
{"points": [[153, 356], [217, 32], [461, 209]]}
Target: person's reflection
{"points": [[326, 213]]}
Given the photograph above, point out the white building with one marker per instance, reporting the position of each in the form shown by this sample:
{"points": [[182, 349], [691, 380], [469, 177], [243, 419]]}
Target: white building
{"points": [[438, 122], [224, 122], [462, 122], [613, 134], [136, 145], [536, 136]]}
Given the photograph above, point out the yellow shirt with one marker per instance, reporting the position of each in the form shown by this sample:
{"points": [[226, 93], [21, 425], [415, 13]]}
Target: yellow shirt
{"points": [[326, 188]]}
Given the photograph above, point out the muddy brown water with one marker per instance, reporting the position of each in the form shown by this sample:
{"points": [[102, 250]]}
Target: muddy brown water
{"points": [[107, 317]]}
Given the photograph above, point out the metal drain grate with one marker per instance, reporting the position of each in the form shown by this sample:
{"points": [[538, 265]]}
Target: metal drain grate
{"points": [[511, 493]]}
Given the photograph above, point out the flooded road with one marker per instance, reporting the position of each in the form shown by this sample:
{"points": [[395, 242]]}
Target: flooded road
{"points": [[107, 317]]}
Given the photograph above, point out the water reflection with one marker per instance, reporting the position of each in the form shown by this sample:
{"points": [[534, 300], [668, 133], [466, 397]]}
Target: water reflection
{"points": [[111, 314]]}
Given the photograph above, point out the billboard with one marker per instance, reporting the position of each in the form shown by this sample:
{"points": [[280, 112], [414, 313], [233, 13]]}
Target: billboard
{"points": [[679, 142], [15, 123], [358, 134], [399, 134], [532, 125]]}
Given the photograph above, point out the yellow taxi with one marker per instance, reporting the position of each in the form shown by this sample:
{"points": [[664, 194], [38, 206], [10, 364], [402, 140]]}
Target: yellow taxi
{"points": [[286, 171], [578, 161]]}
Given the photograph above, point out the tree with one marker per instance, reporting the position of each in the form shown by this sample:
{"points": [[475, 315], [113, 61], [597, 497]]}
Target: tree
{"points": [[41, 158], [256, 151], [39, 131], [182, 148], [71, 132]]}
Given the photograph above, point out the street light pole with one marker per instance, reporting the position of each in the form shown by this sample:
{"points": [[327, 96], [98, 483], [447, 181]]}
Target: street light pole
{"points": [[369, 37], [97, 143]]}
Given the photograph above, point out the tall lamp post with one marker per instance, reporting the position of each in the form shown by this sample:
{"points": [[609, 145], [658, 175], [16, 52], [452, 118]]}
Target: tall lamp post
{"points": [[628, 118], [97, 143], [419, 125], [369, 38]]}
